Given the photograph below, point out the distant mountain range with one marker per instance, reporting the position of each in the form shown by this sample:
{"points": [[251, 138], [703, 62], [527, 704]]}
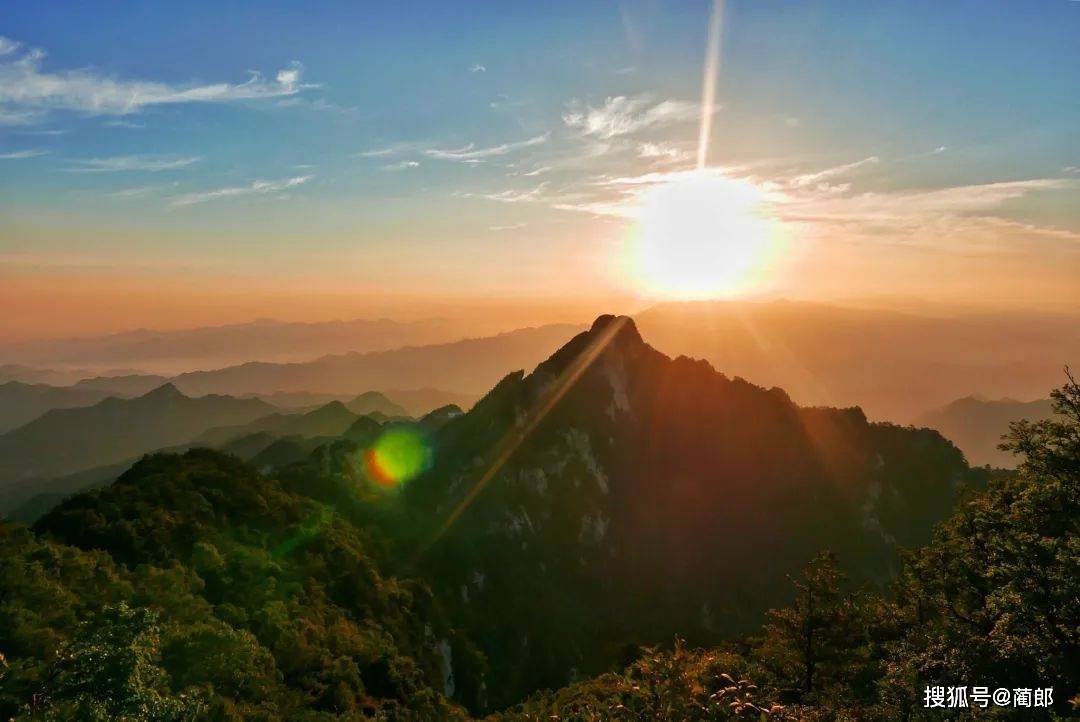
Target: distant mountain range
{"points": [[53, 376], [123, 384], [66, 441], [213, 346], [469, 366], [976, 425], [20, 403], [52, 457], [893, 365]]}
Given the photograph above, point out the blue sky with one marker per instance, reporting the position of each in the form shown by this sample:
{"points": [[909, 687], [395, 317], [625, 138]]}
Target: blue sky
{"points": [[427, 147]]}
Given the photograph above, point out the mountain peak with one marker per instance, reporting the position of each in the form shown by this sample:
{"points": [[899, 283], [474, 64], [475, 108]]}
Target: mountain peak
{"points": [[165, 391], [626, 329], [329, 409]]}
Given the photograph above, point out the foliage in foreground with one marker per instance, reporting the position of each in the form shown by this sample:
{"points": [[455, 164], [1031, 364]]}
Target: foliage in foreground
{"points": [[676, 685]]}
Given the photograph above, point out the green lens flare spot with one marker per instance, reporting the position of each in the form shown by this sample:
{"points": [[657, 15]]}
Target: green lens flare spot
{"points": [[399, 455]]}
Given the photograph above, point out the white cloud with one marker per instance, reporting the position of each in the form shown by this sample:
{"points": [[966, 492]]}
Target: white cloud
{"points": [[121, 163], [255, 188], [510, 227], [20, 154], [622, 115], [478, 68], [28, 92], [470, 153], [403, 165], [8, 46]]}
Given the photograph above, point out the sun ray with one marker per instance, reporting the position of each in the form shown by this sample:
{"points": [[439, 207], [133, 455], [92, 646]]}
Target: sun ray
{"points": [[708, 83]]}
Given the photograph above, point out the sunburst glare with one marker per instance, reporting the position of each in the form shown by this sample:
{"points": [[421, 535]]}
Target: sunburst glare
{"points": [[701, 235]]}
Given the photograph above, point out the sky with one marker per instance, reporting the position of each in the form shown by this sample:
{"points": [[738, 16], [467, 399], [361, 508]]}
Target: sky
{"points": [[175, 164]]}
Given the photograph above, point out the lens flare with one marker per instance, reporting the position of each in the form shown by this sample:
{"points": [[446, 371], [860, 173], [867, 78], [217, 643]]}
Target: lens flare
{"points": [[400, 454]]}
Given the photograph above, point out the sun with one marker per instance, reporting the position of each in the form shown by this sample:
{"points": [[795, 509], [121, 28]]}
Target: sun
{"points": [[703, 235]]}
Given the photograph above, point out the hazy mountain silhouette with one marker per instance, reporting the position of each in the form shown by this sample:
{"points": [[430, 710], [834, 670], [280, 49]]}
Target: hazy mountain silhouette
{"points": [[405, 402], [373, 401], [331, 419], [468, 366], [20, 403], [52, 376], [893, 365], [65, 441], [418, 402], [124, 384], [211, 346], [977, 425]]}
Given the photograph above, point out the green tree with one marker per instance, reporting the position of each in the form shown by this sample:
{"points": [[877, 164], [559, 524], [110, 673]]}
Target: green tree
{"points": [[110, 672], [807, 646]]}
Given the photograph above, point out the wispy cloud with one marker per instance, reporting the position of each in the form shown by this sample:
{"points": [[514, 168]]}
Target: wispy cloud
{"points": [[258, 187], [478, 68], [510, 227], [120, 163], [471, 153], [403, 165], [28, 92], [663, 152], [43, 131], [379, 152], [20, 154], [137, 192], [536, 171], [399, 148], [512, 196], [904, 209], [125, 124], [807, 179], [623, 115]]}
